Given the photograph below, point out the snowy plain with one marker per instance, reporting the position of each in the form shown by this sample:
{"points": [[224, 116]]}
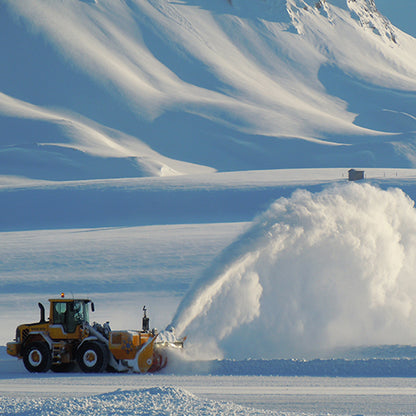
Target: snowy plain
{"points": [[123, 268], [192, 156]]}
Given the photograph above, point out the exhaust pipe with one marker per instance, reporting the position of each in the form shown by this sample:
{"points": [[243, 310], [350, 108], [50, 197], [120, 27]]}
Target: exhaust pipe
{"points": [[42, 313]]}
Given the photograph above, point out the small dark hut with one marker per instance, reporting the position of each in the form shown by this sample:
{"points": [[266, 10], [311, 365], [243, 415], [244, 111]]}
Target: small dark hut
{"points": [[355, 175]]}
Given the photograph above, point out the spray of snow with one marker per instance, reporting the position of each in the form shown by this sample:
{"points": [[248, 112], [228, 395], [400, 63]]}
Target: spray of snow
{"points": [[314, 272]]}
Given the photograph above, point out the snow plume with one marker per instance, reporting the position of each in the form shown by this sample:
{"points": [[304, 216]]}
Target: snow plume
{"points": [[314, 272]]}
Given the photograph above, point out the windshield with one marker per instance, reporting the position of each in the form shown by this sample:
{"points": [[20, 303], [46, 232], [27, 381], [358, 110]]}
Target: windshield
{"points": [[70, 314], [81, 312]]}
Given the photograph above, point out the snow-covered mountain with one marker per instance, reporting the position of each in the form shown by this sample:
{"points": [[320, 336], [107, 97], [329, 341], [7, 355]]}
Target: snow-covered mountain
{"points": [[104, 89], [144, 155], [120, 113]]}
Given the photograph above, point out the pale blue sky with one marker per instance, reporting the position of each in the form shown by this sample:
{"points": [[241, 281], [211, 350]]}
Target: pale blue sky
{"points": [[402, 13]]}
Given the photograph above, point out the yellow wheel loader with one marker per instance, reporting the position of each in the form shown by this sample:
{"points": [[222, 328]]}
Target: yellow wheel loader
{"points": [[67, 339]]}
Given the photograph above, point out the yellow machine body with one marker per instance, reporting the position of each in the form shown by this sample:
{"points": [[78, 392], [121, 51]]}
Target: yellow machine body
{"points": [[124, 345], [67, 339]]}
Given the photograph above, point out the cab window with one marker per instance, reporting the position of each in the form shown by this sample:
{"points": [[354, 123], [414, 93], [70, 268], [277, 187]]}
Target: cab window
{"points": [[70, 314], [59, 311]]}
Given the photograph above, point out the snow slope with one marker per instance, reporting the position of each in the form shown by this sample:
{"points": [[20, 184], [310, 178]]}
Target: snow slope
{"points": [[143, 88]]}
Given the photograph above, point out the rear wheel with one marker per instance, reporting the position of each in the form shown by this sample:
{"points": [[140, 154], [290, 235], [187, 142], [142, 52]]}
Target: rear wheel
{"points": [[37, 357], [92, 357]]}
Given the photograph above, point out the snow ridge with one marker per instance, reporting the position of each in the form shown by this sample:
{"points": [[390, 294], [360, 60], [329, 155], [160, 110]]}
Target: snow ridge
{"points": [[371, 18]]}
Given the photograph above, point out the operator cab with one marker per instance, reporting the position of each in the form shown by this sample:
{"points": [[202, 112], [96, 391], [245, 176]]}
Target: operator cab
{"points": [[70, 313]]}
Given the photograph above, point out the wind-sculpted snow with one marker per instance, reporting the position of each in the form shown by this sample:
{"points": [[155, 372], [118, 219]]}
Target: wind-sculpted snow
{"points": [[314, 272], [172, 88], [151, 401]]}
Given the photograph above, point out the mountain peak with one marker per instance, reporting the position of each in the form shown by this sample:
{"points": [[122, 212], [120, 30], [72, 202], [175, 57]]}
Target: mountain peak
{"points": [[368, 15]]}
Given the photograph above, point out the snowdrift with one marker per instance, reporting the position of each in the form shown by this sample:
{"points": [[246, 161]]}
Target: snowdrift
{"points": [[151, 401]]}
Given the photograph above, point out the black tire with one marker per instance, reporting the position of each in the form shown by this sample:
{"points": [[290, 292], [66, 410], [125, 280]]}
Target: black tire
{"points": [[37, 357], [92, 357]]}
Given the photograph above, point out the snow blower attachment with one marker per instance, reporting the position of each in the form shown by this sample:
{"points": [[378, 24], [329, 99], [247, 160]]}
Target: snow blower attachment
{"points": [[67, 339]]}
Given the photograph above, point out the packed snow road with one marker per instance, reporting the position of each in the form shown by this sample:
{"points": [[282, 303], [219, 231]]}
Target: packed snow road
{"points": [[167, 393]]}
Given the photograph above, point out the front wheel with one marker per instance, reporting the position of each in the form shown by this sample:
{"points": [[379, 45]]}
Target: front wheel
{"points": [[92, 357], [37, 357]]}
